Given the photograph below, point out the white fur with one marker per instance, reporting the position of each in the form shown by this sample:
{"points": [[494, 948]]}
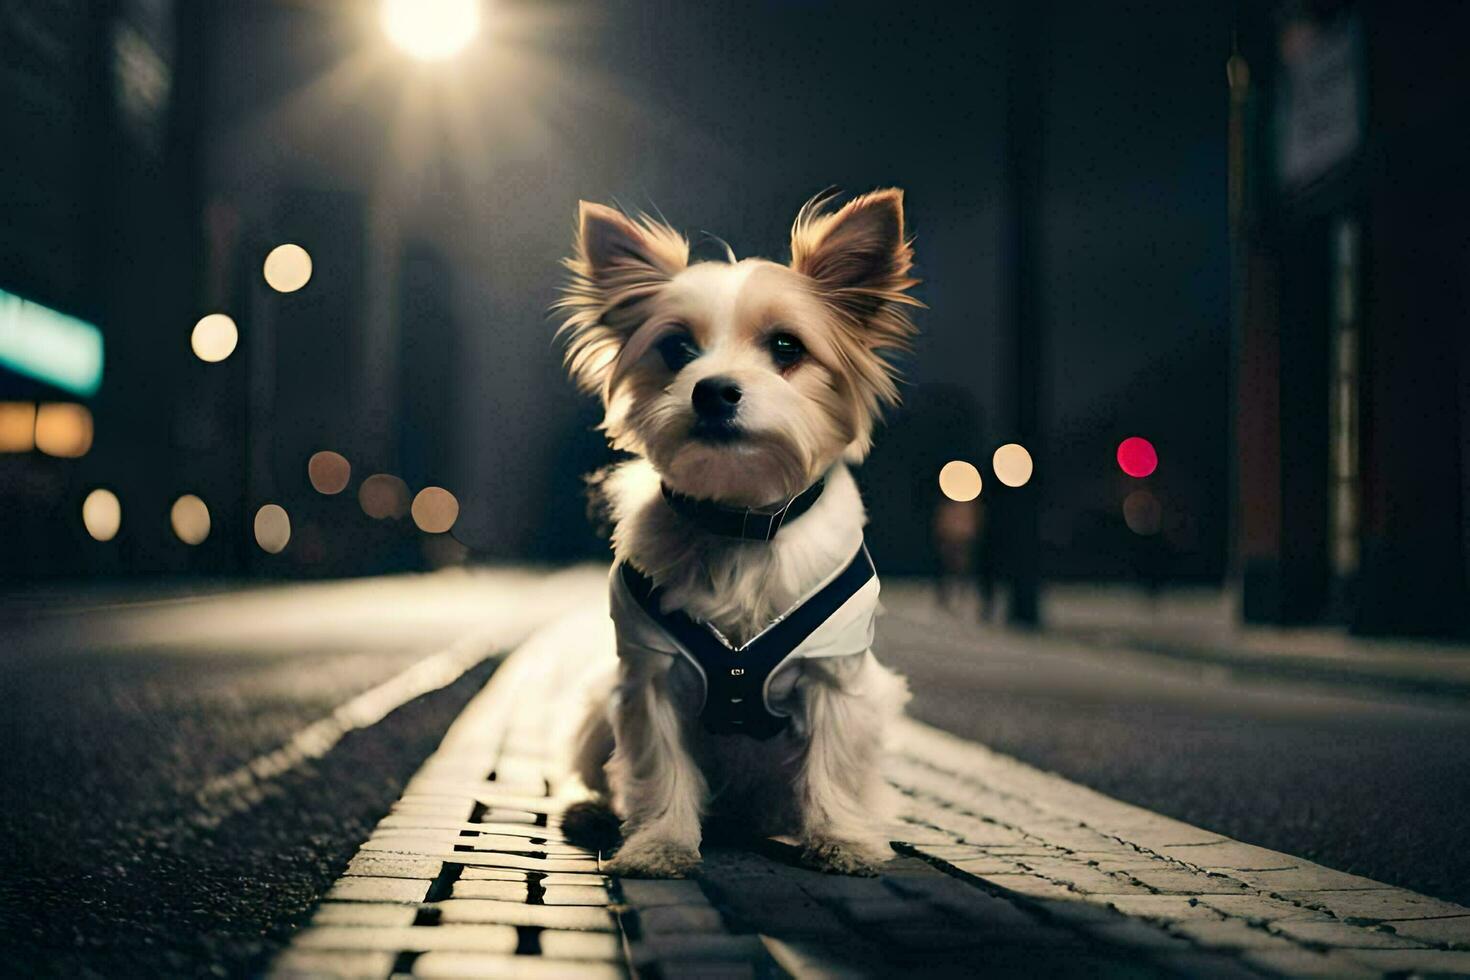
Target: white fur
{"points": [[642, 747]]}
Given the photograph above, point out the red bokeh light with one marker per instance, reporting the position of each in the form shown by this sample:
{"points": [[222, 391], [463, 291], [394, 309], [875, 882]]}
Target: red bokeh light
{"points": [[1137, 457]]}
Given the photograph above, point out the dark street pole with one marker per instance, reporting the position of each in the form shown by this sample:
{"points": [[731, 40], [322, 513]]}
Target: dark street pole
{"points": [[1022, 361]]}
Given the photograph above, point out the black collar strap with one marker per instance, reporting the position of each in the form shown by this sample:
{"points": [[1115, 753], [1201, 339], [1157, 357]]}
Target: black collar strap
{"points": [[745, 523]]}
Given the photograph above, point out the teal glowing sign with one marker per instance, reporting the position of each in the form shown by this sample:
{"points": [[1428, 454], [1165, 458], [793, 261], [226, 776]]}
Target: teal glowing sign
{"points": [[41, 343]]}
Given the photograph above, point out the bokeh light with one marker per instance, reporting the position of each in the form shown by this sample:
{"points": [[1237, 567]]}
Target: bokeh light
{"points": [[383, 495], [214, 337], [63, 429], [1012, 465], [102, 514], [287, 268], [1143, 513], [1137, 457], [328, 472], [190, 519], [959, 480], [435, 510], [431, 30], [272, 528], [17, 427]]}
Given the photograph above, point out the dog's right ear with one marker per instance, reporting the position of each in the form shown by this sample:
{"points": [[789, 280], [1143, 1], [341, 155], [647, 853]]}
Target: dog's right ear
{"points": [[618, 264]]}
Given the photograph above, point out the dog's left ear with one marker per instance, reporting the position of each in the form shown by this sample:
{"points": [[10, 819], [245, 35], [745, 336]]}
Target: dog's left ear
{"points": [[860, 259], [618, 264]]}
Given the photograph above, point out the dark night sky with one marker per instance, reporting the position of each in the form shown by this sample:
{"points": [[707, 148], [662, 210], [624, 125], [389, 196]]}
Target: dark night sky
{"points": [[725, 117]]}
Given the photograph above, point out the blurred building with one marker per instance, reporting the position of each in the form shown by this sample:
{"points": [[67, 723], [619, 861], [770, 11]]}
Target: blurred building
{"points": [[1352, 334], [100, 241]]}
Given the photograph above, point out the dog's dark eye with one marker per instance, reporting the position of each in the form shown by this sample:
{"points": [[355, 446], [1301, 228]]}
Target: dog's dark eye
{"points": [[677, 350], [786, 350]]}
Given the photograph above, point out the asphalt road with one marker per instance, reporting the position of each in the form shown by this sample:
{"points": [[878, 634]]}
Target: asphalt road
{"points": [[116, 861], [1372, 784], [114, 858]]}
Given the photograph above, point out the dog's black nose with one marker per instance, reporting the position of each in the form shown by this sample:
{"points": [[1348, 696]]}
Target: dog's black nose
{"points": [[715, 398]]}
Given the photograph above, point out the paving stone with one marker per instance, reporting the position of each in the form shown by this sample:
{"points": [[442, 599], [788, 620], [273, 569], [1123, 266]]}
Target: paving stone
{"points": [[364, 914], [913, 833], [886, 910], [1072, 836], [1134, 934], [1199, 965], [504, 891], [1168, 908], [1074, 911], [566, 944], [580, 879], [477, 910], [1336, 933], [1083, 877], [1127, 864], [476, 938], [1451, 931], [459, 810], [549, 834], [1032, 886], [1430, 961], [1262, 908], [503, 815], [394, 866], [644, 893], [409, 821], [987, 866], [494, 874], [679, 919], [408, 837], [1229, 934], [817, 960], [698, 946], [1308, 963], [1382, 904], [971, 829], [1309, 878], [973, 904], [379, 890], [574, 895], [1188, 882], [706, 969], [310, 964], [1157, 833], [490, 859], [1230, 856], [478, 966]]}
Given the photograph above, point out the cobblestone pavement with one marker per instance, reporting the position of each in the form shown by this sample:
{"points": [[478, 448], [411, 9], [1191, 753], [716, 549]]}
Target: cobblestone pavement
{"points": [[1001, 869]]}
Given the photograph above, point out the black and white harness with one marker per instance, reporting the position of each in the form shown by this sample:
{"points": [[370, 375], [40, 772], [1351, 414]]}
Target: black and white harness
{"points": [[834, 620]]}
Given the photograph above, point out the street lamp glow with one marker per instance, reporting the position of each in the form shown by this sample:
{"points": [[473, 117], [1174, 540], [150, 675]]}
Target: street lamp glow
{"points": [[63, 429], [431, 30], [328, 472], [1012, 465], [959, 480], [102, 514], [382, 496], [1137, 457], [435, 510], [214, 337], [287, 268], [272, 528], [189, 517]]}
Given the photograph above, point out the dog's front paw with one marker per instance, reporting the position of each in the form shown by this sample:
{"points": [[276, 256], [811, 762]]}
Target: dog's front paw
{"points": [[644, 856], [844, 857]]}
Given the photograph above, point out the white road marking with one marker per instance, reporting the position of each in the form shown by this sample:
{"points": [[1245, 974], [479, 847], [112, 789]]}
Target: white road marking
{"points": [[508, 618]]}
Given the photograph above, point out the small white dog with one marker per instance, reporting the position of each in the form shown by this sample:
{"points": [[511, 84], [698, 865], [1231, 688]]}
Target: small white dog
{"points": [[747, 692]]}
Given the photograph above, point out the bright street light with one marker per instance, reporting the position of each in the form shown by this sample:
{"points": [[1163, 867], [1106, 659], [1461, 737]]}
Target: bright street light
{"points": [[431, 30]]}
